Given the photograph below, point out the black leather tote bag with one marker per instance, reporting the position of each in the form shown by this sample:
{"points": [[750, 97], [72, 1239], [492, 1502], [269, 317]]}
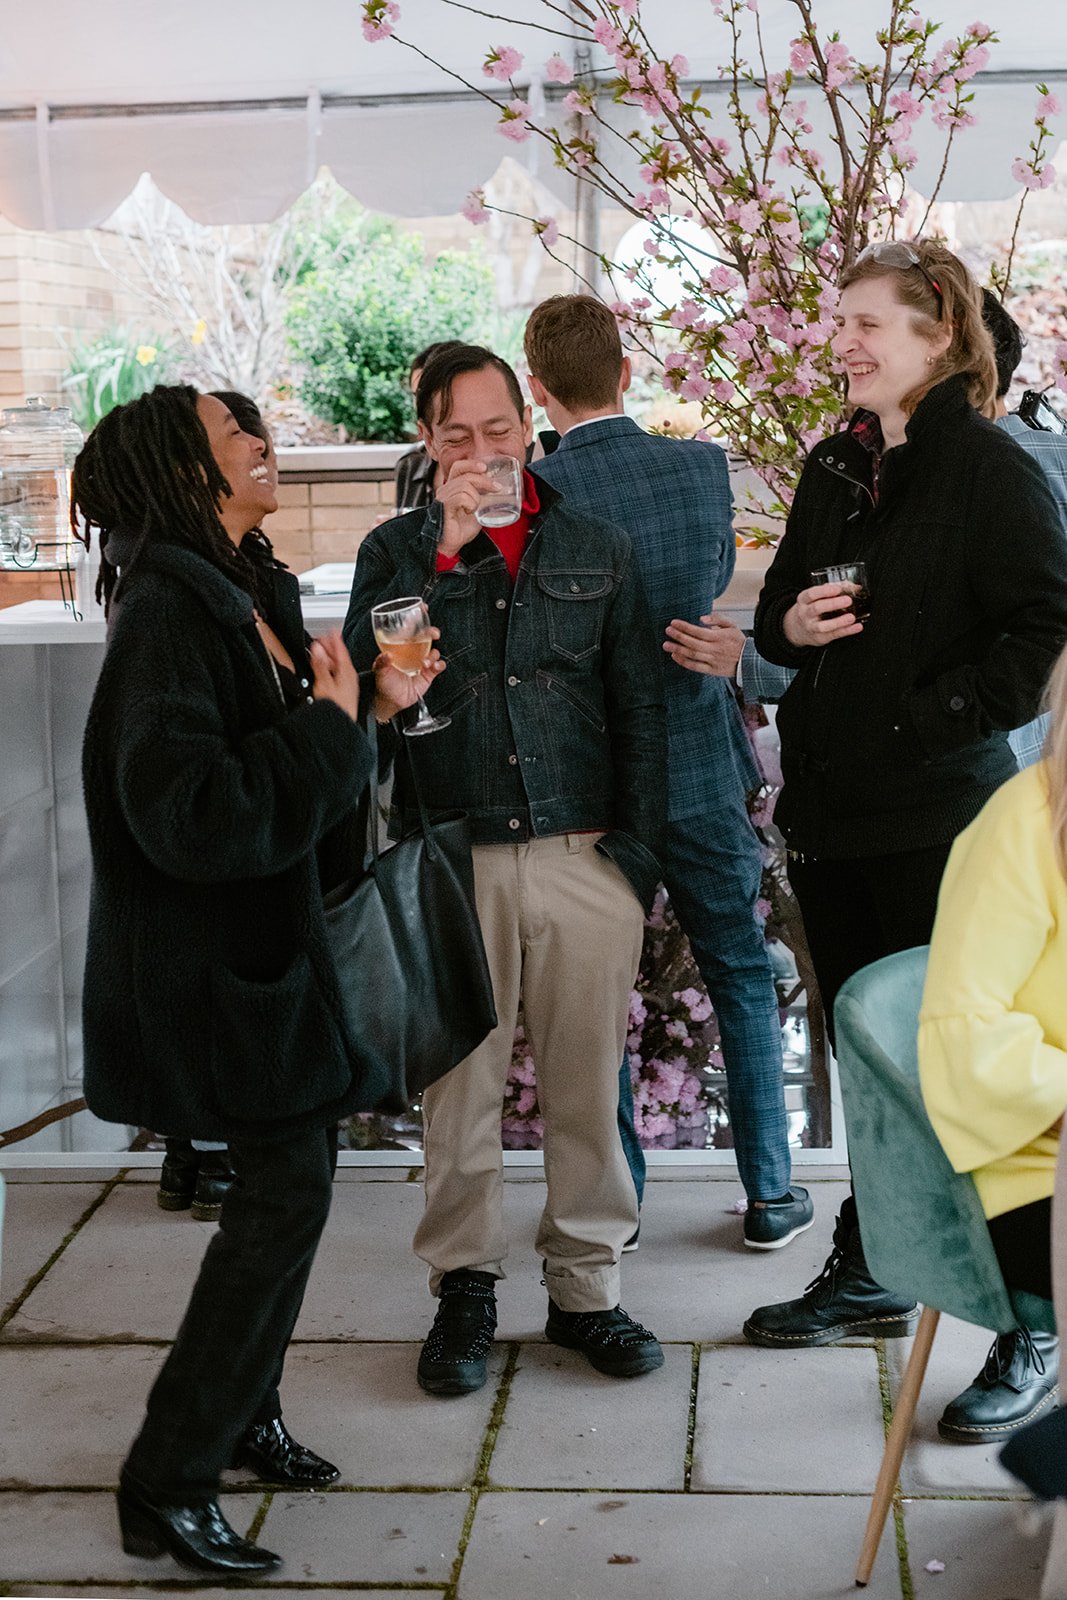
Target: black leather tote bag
{"points": [[410, 960]]}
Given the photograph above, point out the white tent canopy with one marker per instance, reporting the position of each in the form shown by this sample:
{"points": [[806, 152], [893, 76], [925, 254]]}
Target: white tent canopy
{"points": [[232, 106]]}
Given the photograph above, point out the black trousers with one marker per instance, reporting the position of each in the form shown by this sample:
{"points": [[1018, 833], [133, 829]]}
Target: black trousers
{"points": [[223, 1371], [1022, 1240], [859, 910]]}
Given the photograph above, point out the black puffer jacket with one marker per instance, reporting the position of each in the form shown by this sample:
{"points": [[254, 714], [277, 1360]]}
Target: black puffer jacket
{"points": [[894, 739], [211, 1005]]}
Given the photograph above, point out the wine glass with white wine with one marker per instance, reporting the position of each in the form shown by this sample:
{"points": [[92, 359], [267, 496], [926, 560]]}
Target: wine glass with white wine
{"points": [[403, 634]]}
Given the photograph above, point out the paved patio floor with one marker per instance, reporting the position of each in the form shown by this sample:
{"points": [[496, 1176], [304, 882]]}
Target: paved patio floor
{"points": [[731, 1474]]}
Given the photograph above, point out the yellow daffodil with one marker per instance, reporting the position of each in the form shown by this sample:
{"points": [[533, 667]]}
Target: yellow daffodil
{"points": [[197, 335], [146, 354]]}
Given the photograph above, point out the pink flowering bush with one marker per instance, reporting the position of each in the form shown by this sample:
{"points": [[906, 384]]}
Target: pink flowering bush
{"points": [[779, 217], [673, 1037]]}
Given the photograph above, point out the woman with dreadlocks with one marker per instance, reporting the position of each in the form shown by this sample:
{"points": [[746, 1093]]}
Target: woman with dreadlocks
{"points": [[215, 775]]}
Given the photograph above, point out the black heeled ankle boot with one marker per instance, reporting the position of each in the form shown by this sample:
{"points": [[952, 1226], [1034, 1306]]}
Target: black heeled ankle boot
{"points": [[197, 1535], [843, 1302], [275, 1457]]}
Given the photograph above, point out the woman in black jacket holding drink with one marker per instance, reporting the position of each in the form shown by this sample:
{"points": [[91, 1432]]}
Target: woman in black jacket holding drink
{"points": [[215, 773], [894, 731]]}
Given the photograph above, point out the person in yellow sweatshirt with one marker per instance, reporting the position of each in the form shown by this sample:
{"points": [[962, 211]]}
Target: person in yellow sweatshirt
{"points": [[993, 1031]]}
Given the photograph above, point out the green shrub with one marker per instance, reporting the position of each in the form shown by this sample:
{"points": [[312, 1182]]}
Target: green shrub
{"points": [[107, 369], [356, 320]]}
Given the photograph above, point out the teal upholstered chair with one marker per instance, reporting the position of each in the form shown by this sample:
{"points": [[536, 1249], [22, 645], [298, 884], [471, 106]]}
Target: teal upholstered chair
{"points": [[924, 1232]]}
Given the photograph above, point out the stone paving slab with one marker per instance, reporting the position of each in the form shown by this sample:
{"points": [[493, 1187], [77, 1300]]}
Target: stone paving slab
{"points": [[931, 1464], [571, 1427], [688, 1237], [790, 1420], [73, 1411], [351, 1535], [84, 1591], [987, 1553], [74, 1539], [36, 1222], [543, 1546]]}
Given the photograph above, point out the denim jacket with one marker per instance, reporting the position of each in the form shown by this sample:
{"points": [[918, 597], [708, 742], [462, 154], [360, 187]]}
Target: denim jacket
{"points": [[554, 687]]}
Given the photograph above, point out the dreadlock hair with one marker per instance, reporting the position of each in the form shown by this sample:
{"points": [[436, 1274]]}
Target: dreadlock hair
{"points": [[249, 419], [147, 471]]}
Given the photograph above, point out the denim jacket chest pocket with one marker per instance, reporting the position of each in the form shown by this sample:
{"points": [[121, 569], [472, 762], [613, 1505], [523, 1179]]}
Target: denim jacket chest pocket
{"points": [[575, 604], [452, 609]]}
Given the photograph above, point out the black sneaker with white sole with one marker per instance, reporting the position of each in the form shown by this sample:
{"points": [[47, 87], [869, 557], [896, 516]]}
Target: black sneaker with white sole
{"points": [[610, 1340], [771, 1224]]}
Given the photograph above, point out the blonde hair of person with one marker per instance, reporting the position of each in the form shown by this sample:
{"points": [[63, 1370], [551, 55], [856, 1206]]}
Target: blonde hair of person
{"points": [[939, 290]]}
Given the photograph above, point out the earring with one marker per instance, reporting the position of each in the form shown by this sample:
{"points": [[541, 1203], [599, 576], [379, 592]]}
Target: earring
{"points": [[930, 360]]}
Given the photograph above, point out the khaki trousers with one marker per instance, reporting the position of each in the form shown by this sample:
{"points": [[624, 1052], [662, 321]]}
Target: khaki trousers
{"points": [[562, 931]]}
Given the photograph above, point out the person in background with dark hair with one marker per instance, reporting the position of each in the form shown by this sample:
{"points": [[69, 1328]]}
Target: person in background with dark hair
{"points": [[215, 777], [557, 751], [415, 474], [894, 732], [673, 497], [1049, 450]]}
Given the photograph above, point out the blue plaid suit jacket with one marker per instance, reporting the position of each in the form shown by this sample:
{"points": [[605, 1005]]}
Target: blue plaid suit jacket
{"points": [[762, 680], [672, 496]]}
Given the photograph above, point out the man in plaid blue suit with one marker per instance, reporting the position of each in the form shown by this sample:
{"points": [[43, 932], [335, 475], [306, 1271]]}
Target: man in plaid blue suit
{"points": [[673, 498]]}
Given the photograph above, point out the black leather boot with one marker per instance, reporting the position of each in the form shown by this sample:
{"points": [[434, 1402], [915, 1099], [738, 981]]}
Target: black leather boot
{"points": [[197, 1535], [275, 1457], [1016, 1385], [453, 1359], [177, 1178], [212, 1182], [843, 1302]]}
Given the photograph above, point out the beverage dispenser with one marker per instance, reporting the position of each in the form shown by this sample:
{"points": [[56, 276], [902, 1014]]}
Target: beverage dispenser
{"points": [[38, 444]]}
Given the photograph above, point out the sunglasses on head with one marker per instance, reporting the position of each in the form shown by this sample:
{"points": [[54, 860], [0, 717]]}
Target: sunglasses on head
{"points": [[895, 253]]}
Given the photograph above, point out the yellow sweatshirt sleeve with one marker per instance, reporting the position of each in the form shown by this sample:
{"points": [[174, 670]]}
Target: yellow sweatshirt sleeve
{"points": [[991, 1079]]}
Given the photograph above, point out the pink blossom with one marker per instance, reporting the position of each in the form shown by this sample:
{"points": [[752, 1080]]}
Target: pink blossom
{"points": [[975, 61], [474, 207], [905, 104], [720, 279], [379, 20], [578, 103], [651, 247], [979, 31], [685, 315], [548, 228], [1048, 106], [680, 66], [608, 36], [557, 70], [502, 62], [513, 124], [675, 361], [801, 54]]}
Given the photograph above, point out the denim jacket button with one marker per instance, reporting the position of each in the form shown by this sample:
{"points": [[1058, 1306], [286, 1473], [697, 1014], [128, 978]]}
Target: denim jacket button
{"points": [[576, 588], [513, 680], [957, 703], [513, 822], [513, 761], [502, 605]]}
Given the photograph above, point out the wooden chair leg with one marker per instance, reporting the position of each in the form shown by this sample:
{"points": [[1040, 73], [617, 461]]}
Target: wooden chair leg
{"points": [[896, 1443]]}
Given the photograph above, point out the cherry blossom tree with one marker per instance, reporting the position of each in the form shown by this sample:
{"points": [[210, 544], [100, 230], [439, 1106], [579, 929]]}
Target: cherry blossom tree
{"points": [[756, 220]]}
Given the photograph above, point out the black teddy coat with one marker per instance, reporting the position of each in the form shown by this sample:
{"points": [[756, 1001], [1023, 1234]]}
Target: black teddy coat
{"points": [[211, 1007]]}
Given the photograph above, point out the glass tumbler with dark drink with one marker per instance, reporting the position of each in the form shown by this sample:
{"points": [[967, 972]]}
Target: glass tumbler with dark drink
{"points": [[402, 632], [853, 574]]}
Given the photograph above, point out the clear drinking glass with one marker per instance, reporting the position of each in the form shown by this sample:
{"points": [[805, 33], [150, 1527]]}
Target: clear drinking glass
{"points": [[402, 631], [500, 506], [853, 574]]}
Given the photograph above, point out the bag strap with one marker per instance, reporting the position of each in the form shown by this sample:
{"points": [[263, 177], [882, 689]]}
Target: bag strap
{"points": [[372, 822]]}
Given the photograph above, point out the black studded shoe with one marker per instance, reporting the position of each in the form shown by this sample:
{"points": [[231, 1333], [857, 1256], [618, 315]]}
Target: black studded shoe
{"points": [[213, 1181], [453, 1359], [197, 1535], [611, 1341], [275, 1457]]}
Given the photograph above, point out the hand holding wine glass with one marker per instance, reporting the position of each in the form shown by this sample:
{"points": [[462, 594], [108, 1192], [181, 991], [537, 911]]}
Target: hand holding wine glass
{"points": [[398, 690], [405, 636]]}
